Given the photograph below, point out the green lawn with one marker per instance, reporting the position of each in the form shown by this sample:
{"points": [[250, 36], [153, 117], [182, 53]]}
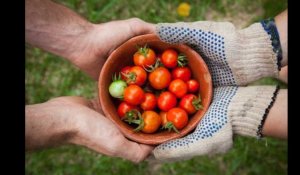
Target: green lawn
{"points": [[49, 76]]}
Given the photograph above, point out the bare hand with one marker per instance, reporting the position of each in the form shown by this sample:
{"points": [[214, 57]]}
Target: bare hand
{"points": [[78, 121], [105, 38]]}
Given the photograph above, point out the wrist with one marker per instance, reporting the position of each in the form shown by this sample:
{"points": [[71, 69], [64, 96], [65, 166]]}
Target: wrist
{"points": [[90, 51], [79, 44], [46, 127], [54, 27], [249, 108]]}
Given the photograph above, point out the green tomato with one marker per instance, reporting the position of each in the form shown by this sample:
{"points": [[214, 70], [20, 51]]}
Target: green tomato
{"points": [[116, 88]]}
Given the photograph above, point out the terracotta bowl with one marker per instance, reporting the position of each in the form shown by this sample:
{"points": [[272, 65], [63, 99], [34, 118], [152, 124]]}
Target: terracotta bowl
{"points": [[122, 57]]}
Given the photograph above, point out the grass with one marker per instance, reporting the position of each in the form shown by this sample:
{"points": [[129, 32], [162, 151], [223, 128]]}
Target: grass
{"points": [[49, 76]]}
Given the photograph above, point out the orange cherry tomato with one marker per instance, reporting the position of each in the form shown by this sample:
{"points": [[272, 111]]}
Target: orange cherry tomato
{"points": [[144, 57], [152, 121], [160, 78]]}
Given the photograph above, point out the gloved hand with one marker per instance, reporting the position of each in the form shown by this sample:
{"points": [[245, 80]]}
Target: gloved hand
{"points": [[234, 110], [234, 57]]}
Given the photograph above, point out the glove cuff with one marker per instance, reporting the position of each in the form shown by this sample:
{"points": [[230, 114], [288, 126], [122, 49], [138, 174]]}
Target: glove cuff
{"points": [[270, 27], [249, 109], [250, 55]]}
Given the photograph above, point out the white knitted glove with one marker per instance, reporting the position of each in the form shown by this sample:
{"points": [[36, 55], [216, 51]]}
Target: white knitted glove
{"points": [[234, 57], [234, 110]]}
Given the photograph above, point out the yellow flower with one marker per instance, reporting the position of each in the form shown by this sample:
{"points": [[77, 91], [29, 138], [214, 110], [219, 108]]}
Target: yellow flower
{"points": [[184, 9]]}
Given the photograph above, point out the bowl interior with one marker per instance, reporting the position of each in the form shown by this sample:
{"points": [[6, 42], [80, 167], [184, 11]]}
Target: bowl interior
{"points": [[122, 57]]}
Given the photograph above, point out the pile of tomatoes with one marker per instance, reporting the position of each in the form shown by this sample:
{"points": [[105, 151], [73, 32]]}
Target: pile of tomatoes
{"points": [[157, 91]]}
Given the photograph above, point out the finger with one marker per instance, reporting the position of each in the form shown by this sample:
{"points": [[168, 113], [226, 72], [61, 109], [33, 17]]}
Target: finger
{"points": [[135, 152], [139, 27], [72, 100], [131, 27]]}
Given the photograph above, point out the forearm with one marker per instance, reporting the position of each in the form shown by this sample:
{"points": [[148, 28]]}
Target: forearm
{"points": [[44, 129], [281, 24], [55, 28], [276, 121]]}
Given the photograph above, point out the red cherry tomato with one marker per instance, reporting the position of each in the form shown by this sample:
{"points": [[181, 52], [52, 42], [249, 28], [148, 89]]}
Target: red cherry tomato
{"points": [[149, 103], [190, 103], [183, 73], [178, 117], [144, 57], [178, 87], [169, 58], [134, 95], [193, 86], [166, 101], [124, 71], [152, 122], [124, 107], [136, 75]]}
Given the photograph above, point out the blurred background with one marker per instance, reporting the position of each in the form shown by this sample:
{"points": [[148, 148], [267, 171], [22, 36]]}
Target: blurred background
{"points": [[48, 76]]}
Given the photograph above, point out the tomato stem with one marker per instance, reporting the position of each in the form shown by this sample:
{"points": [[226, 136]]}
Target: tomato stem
{"points": [[130, 77], [197, 103], [115, 77], [130, 116], [144, 50], [151, 68], [134, 116], [182, 60], [140, 122], [169, 126]]}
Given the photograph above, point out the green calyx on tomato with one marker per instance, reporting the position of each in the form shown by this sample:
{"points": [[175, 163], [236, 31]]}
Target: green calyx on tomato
{"points": [[131, 115], [178, 118], [190, 103], [182, 60], [136, 75], [151, 68], [144, 56], [148, 122], [117, 87], [123, 108], [143, 50], [169, 126], [197, 103], [130, 77], [134, 116]]}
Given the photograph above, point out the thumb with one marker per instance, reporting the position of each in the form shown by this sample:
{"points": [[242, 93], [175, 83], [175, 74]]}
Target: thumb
{"points": [[140, 27], [135, 152]]}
